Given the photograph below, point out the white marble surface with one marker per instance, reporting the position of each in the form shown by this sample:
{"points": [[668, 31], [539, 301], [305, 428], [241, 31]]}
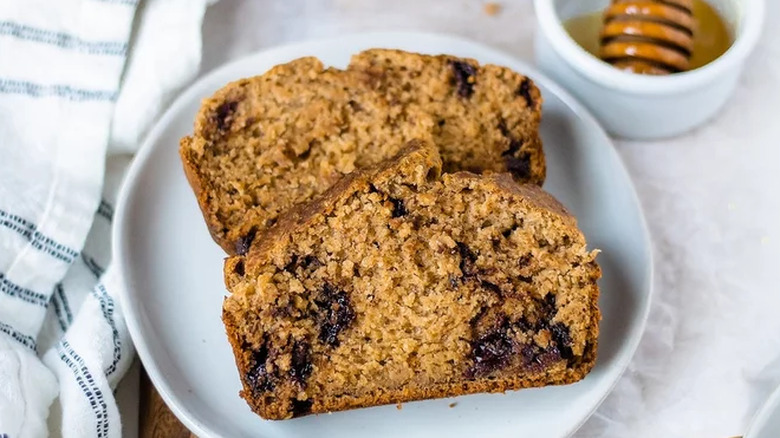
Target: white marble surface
{"points": [[711, 354]]}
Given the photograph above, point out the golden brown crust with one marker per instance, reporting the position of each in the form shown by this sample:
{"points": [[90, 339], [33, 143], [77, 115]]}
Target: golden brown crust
{"points": [[201, 189], [476, 285], [535, 195]]}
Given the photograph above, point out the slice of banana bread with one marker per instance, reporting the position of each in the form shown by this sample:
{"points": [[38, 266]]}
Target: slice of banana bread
{"points": [[264, 144], [400, 285], [486, 117]]}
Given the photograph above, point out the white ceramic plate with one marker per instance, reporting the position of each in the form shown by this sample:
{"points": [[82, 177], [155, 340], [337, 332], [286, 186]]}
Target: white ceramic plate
{"points": [[173, 271], [766, 423]]}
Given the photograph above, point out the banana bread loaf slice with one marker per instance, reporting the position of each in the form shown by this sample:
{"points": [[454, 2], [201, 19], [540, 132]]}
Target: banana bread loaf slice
{"points": [[264, 144], [398, 284], [485, 117]]}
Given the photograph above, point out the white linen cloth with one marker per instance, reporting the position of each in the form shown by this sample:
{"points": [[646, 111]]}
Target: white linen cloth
{"points": [[63, 101]]}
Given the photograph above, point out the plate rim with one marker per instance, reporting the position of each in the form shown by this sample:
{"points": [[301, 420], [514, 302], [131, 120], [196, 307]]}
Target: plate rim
{"points": [[382, 39]]}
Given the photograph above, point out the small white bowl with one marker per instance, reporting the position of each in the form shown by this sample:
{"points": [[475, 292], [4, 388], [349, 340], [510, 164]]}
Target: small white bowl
{"points": [[639, 106]]}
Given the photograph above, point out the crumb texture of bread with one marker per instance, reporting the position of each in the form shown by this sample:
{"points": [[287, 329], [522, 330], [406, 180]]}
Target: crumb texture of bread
{"points": [[401, 283], [265, 144]]}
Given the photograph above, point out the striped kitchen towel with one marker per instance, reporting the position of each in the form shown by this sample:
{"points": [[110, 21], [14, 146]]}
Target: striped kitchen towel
{"points": [[68, 95]]}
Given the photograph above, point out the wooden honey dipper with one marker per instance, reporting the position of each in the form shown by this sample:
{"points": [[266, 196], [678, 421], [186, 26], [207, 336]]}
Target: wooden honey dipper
{"points": [[648, 36]]}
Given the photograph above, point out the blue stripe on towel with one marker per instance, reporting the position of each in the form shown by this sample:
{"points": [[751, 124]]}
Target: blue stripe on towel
{"points": [[38, 240], [61, 307], [107, 306], [93, 266], [88, 386], [27, 341], [106, 210], [60, 293], [10, 86], [14, 290], [62, 40]]}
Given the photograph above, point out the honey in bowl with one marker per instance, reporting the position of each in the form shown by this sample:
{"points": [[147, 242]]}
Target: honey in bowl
{"points": [[641, 48]]}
